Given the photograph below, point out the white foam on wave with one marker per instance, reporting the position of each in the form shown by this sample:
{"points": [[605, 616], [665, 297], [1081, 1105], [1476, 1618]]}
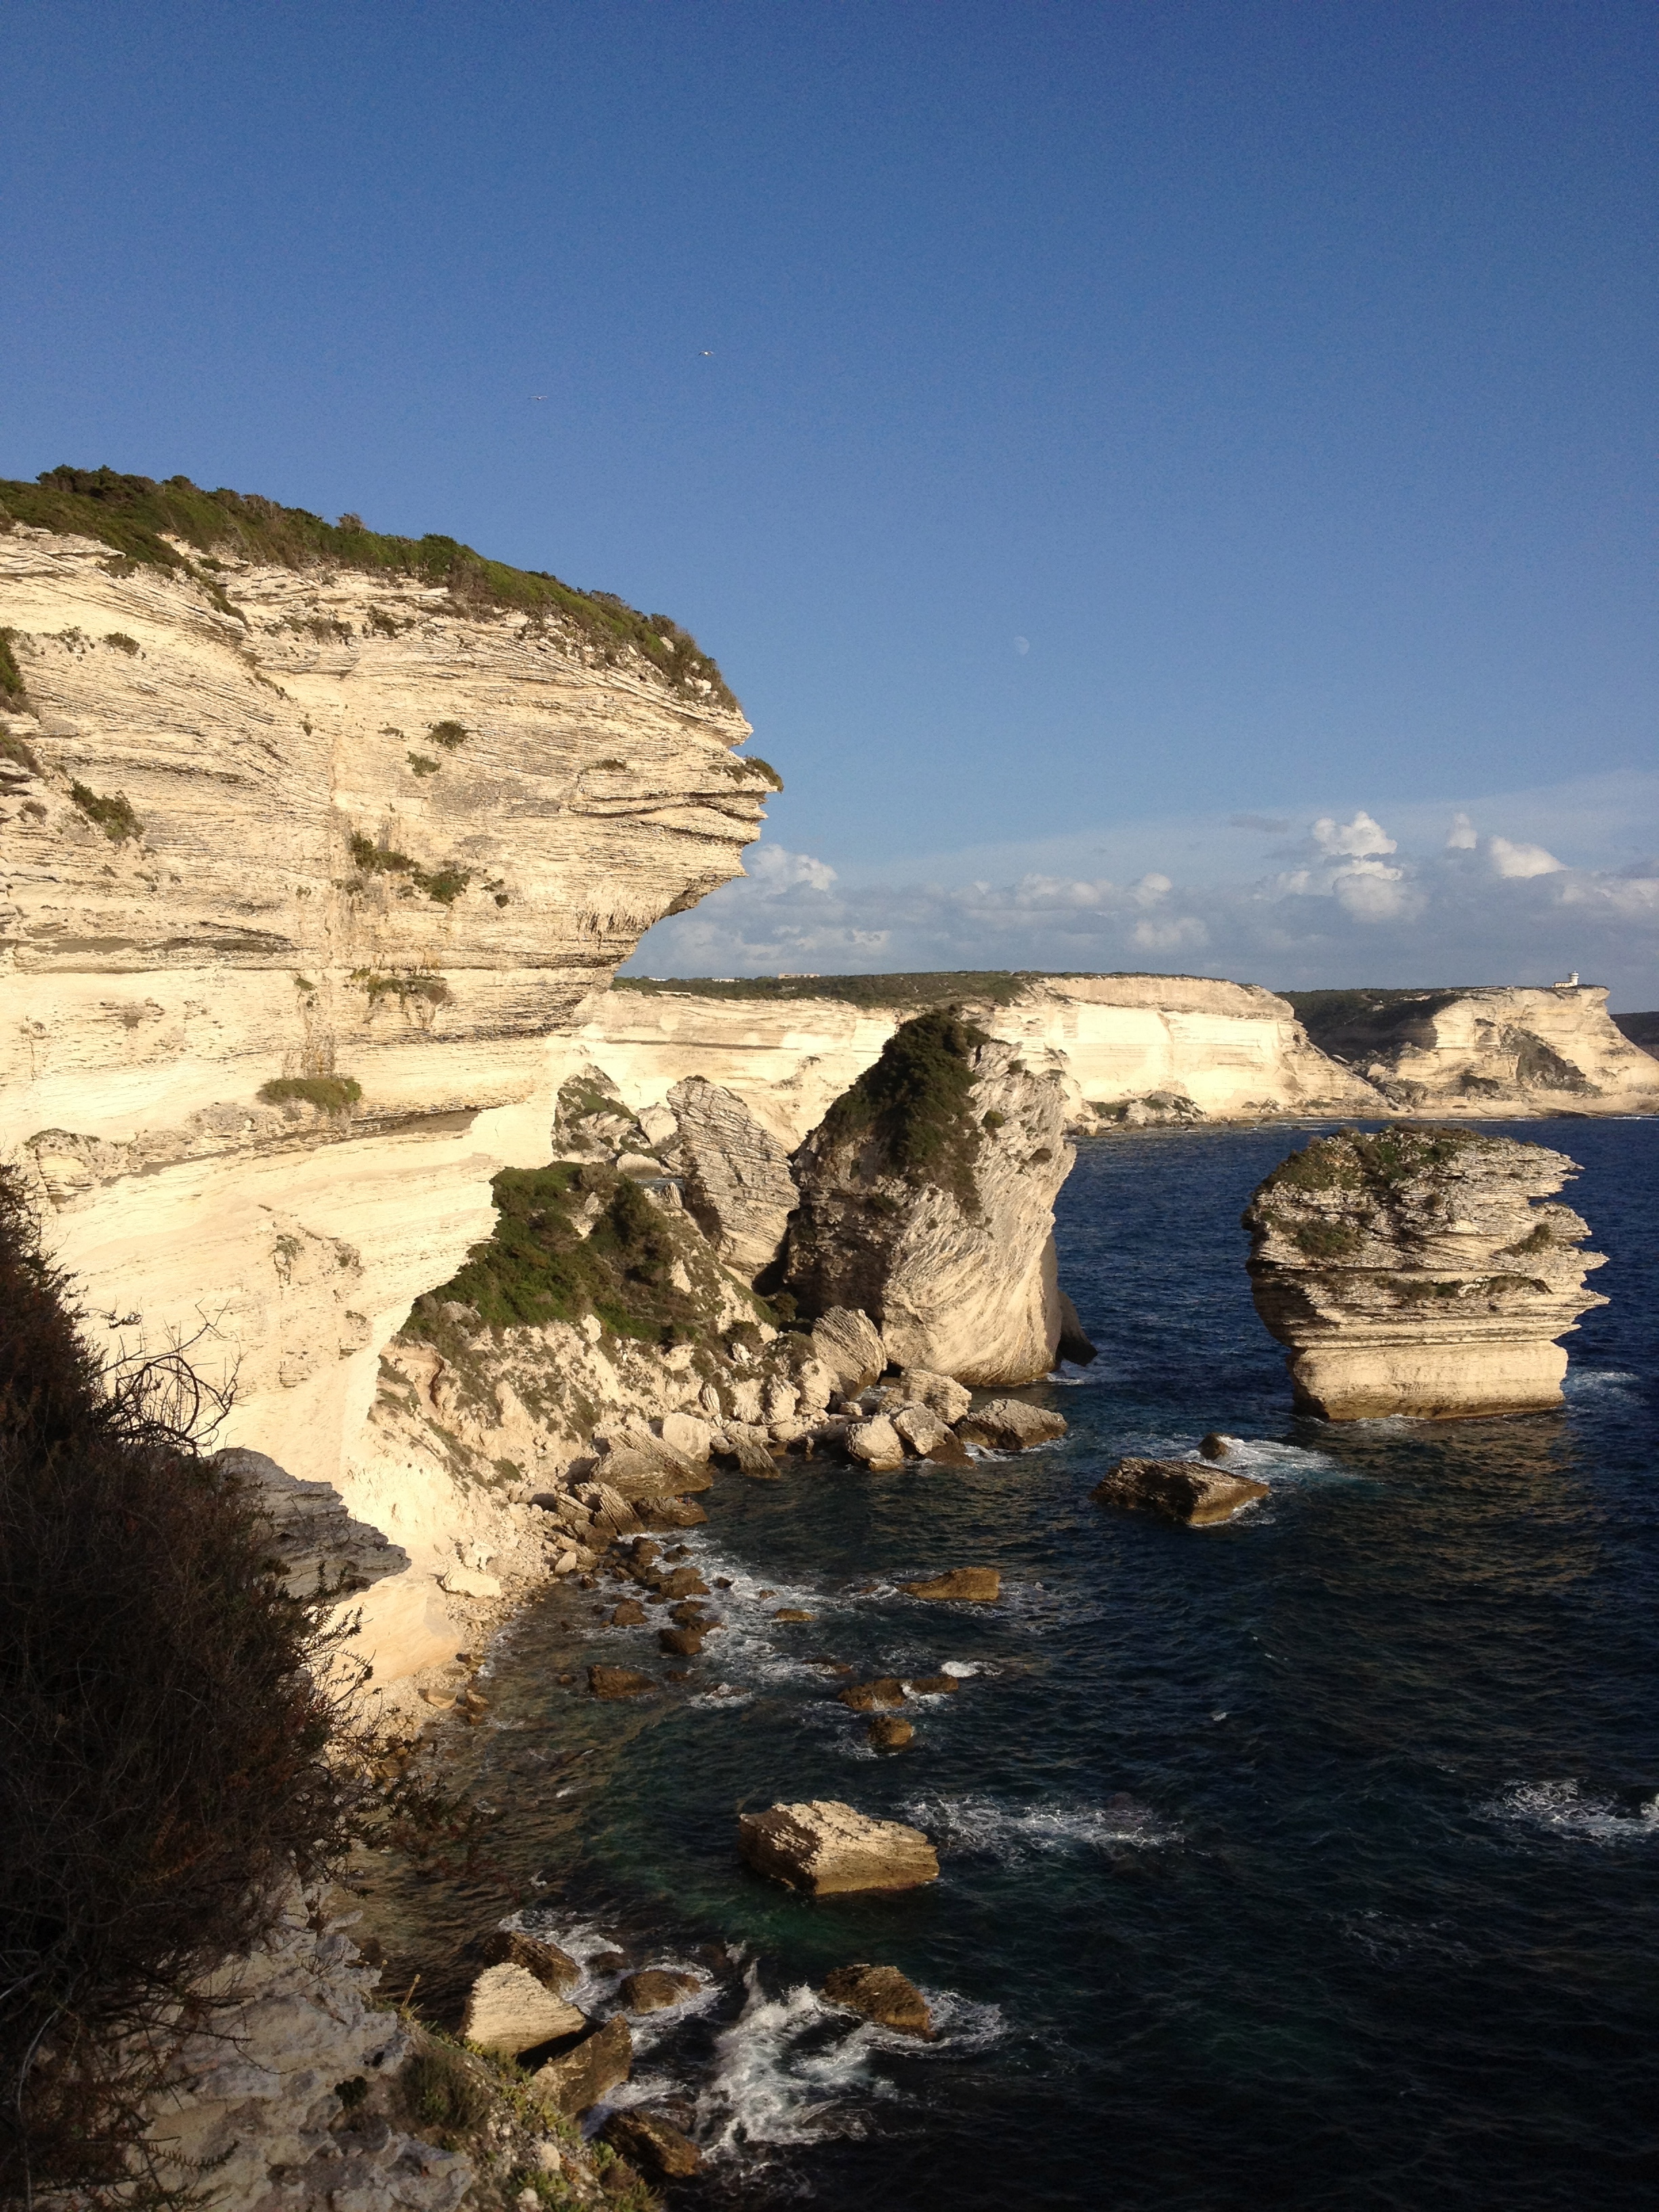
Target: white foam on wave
{"points": [[1268, 1460], [796, 2069], [985, 1826], [1588, 1381], [1563, 1809], [778, 2079]]}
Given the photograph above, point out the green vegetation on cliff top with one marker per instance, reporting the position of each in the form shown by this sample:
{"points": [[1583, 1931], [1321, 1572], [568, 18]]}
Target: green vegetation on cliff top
{"points": [[916, 1101], [537, 1267], [137, 516]]}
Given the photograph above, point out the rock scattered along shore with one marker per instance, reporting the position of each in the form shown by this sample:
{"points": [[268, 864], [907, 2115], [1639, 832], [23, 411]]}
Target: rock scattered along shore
{"points": [[656, 1990], [888, 1732], [827, 1848], [508, 2010], [583, 2076], [884, 1995], [652, 2144], [1415, 1272], [1188, 1491]]}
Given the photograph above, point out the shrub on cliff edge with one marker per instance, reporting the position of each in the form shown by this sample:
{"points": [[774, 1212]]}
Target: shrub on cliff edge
{"points": [[162, 1739]]}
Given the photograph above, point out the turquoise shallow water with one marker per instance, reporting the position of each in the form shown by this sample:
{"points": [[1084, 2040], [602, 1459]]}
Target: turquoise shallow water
{"points": [[1312, 1859]]}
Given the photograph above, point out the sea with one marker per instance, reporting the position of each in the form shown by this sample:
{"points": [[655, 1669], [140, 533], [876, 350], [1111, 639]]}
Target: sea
{"points": [[1310, 1861]]}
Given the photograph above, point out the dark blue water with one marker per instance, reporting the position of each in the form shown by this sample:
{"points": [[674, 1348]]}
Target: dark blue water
{"points": [[1312, 1861]]}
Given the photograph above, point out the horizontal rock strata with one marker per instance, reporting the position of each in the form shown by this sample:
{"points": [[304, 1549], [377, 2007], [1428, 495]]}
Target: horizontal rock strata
{"points": [[1419, 1271]]}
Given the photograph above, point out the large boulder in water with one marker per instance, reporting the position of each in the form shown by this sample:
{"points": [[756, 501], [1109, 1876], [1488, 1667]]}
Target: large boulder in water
{"points": [[926, 1200], [1415, 1271], [584, 2076], [884, 1995], [827, 1848], [1185, 1490]]}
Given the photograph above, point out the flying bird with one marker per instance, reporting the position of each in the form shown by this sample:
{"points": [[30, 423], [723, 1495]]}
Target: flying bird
{"points": [[707, 354], [538, 395]]}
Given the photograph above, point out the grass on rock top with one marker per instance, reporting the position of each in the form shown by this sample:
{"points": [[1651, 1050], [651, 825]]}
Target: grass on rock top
{"points": [[137, 516], [537, 1267], [912, 1111]]}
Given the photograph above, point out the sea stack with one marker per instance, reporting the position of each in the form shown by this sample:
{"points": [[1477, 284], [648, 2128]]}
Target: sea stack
{"points": [[926, 1200], [1415, 1272]]}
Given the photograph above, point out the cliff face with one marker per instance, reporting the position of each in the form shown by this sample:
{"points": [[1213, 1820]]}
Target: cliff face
{"points": [[343, 831], [1219, 1051], [1500, 1052], [1413, 1272]]}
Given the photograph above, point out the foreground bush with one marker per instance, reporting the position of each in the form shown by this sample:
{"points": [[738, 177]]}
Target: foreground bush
{"points": [[161, 1736]]}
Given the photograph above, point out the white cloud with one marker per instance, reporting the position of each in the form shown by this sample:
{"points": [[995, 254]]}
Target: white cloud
{"points": [[1357, 838], [1462, 838], [1397, 910], [775, 870], [1521, 861]]}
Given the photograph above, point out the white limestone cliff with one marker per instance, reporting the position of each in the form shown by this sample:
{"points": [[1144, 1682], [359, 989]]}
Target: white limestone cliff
{"points": [[374, 833], [1229, 1051], [1475, 1054]]}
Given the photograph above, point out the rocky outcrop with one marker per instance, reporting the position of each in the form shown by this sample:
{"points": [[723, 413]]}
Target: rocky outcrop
{"points": [[884, 1995], [307, 871], [256, 2098], [1417, 1272], [827, 1848], [1472, 1053], [1177, 1490], [735, 1175], [318, 1545], [926, 1200]]}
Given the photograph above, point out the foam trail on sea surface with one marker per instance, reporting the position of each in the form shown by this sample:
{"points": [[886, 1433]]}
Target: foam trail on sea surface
{"points": [[1563, 1809], [984, 1826]]}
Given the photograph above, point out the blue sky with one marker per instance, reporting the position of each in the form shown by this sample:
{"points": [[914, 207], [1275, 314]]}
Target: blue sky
{"points": [[1069, 426]]}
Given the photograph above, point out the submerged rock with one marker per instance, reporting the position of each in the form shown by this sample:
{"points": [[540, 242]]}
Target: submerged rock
{"points": [[881, 1994], [827, 1848], [977, 1585], [619, 1682], [890, 1732], [681, 1643], [1413, 1272], [583, 2077], [655, 1990], [654, 2144], [867, 1696], [1177, 1490], [508, 2010], [932, 1685], [926, 1200], [1010, 1424]]}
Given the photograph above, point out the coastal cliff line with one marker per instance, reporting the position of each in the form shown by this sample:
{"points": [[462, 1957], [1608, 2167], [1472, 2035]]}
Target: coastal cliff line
{"points": [[1131, 1051], [314, 842]]}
